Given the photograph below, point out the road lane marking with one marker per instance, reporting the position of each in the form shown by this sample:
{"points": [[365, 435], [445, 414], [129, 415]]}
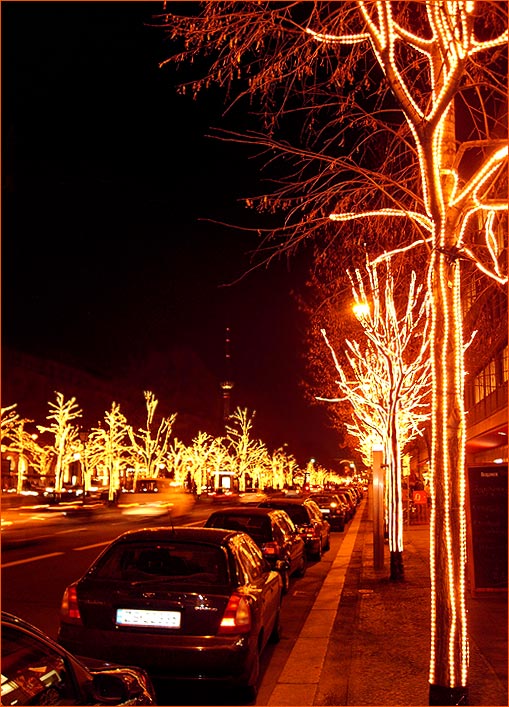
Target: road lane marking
{"points": [[88, 547], [30, 559]]}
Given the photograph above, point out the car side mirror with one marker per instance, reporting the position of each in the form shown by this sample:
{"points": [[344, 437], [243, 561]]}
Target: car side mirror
{"points": [[108, 689]]}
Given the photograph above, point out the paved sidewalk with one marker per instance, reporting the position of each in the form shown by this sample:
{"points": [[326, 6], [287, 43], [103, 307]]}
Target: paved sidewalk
{"points": [[366, 639]]}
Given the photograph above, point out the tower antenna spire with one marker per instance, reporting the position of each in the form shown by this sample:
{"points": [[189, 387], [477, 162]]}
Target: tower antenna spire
{"points": [[227, 382]]}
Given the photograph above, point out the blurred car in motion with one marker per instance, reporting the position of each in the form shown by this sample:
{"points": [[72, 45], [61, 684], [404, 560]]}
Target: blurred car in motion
{"points": [[252, 497], [37, 671], [332, 507], [274, 533], [155, 498], [310, 523], [184, 603]]}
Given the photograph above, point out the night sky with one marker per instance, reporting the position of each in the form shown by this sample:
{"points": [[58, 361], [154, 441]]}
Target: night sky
{"points": [[109, 190]]}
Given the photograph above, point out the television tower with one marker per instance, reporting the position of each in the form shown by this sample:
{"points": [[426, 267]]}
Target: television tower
{"points": [[227, 383]]}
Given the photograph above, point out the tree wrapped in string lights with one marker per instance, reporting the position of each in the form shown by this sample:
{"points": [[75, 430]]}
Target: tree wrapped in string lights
{"points": [[150, 446], [392, 112], [109, 449], [245, 451], [388, 381], [65, 435]]}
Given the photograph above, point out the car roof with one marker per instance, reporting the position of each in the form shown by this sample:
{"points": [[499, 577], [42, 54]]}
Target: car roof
{"points": [[214, 536], [8, 618], [246, 511], [284, 502]]}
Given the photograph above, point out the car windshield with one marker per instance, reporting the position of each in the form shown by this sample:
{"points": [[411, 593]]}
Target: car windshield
{"points": [[172, 562]]}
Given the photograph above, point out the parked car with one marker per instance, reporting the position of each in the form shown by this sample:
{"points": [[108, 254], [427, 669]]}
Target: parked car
{"points": [[274, 533], [347, 497], [306, 516], [37, 671], [184, 603], [333, 508]]}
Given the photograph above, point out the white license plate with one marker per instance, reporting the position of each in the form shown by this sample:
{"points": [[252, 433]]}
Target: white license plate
{"points": [[148, 617], [325, 510]]}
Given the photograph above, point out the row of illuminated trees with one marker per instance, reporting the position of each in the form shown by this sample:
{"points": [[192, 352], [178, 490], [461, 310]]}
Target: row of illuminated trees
{"points": [[118, 455], [383, 376]]}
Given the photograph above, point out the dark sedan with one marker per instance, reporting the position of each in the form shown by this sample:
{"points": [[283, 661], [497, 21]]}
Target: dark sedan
{"points": [[333, 508], [273, 531], [183, 603], [37, 671], [306, 516]]}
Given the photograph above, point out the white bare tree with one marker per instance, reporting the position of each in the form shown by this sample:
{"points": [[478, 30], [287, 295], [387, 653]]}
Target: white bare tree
{"points": [[65, 435]]}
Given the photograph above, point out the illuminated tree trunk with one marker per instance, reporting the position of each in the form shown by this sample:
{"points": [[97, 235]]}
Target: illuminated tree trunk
{"points": [[394, 499], [449, 637]]}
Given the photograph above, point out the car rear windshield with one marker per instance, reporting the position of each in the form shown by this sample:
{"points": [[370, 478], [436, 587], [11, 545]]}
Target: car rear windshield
{"points": [[257, 526], [323, 500], [296, 512], [172, 562]]}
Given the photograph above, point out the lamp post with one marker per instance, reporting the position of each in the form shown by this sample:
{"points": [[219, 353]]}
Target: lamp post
{"points": [[378, 507], [83, 435]]}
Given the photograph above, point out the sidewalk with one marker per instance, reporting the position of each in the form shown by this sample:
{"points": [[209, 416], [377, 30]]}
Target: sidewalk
{"points": [[366, 639]]}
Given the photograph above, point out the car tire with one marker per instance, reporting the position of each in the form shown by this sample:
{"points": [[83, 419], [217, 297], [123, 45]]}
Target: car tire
{"points": [[318, 554], [285, 576], [275, 636], [301, 570], [249, 691], [327, 542]]}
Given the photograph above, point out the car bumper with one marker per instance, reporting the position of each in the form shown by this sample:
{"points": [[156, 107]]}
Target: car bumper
{"points": [[228, 659]]}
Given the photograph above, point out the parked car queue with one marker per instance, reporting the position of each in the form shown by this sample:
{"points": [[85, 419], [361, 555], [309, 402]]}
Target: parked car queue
{"points": [[179, 603]]}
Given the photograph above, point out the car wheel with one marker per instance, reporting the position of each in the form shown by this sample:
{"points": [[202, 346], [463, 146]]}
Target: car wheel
{"points": [[318, 554], [301, 570], [275, 636], [327, 542], [285, 576], [249, 691]]}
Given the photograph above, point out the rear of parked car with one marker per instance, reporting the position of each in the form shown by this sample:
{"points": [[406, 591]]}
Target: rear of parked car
{"points": [[274, 533], [333, 508], [310, 523], [184, 603]]}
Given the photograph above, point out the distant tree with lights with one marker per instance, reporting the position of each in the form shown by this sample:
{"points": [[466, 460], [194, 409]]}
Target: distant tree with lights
{"points": [[245, 451], [16, 440], [65, 435], [366, 96], [201, 455], [388, 381], [150, 445], [109, 448]]}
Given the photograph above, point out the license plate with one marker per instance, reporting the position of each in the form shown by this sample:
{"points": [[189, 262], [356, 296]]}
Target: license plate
{"points": [[325, 510], [148, 618]]}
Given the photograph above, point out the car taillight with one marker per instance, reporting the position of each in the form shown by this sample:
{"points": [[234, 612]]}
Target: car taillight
{"points": [[311, 531], [70, 609], [237, 616], [270, 548]]}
